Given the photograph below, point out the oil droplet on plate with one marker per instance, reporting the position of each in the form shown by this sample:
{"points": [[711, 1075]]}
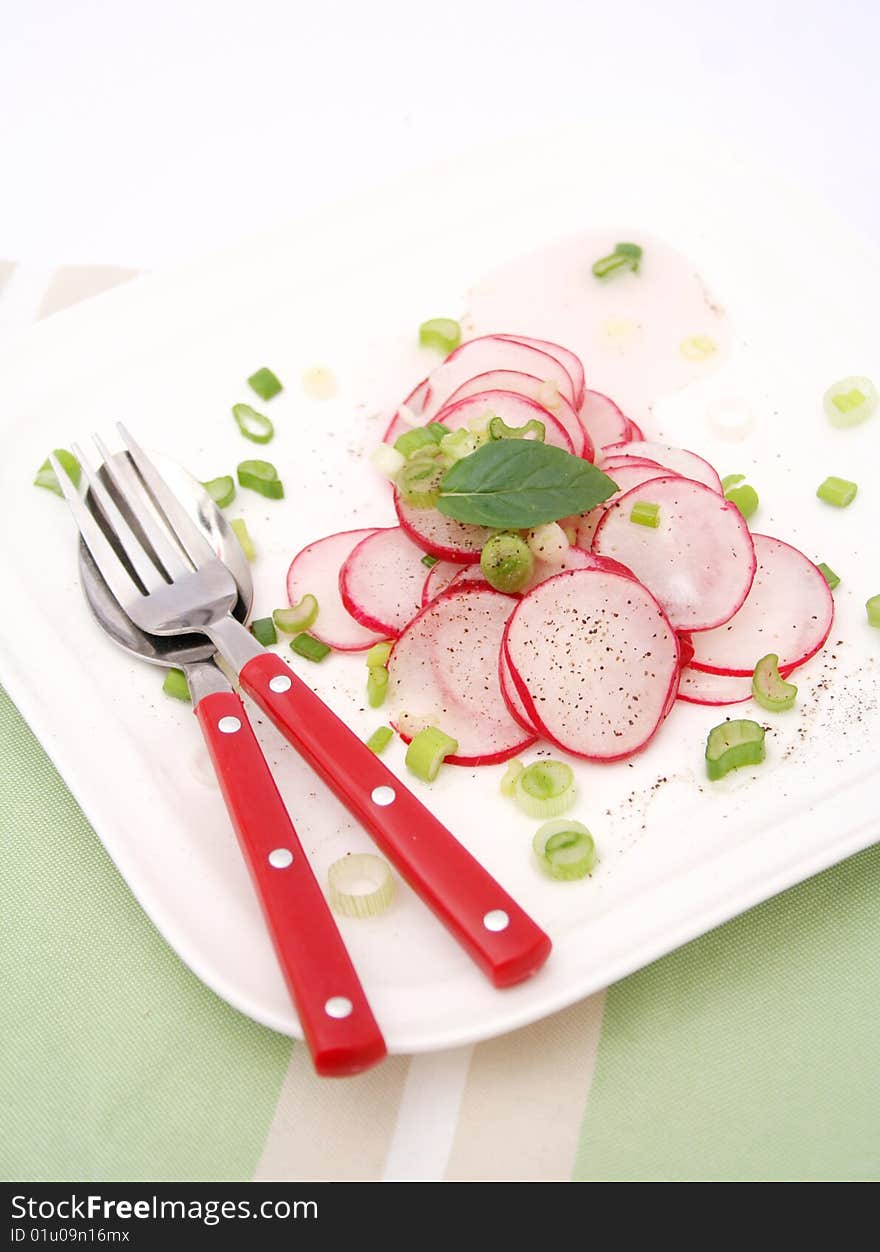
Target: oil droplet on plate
{"points": [[730, 418]]}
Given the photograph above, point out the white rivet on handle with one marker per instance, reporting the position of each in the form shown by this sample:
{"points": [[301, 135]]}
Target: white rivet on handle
{"points": [[496, 919], [383, 796], [280, 858], [338, 1006], [228, 725], [279, 683]]}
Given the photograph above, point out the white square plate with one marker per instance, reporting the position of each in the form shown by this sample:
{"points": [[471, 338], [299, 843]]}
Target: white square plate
{"points": [[169, 353]]}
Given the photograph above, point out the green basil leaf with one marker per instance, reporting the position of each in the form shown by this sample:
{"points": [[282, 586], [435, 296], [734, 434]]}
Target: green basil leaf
{"points": [[514, 484]]}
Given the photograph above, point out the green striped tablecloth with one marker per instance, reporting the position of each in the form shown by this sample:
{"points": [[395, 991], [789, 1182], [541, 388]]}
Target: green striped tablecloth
{"points": [[749, 1054]]}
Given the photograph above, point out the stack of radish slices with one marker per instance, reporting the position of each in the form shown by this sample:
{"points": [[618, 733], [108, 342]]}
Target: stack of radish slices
{"points": [[592, 655]]}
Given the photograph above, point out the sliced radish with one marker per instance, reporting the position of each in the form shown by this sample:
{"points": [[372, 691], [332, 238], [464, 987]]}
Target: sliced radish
{"points": [[594, 661], [626, 477], [698, 688], [610, 463], [491, 352], [415, 402], [513, 409], [678, 460], [440, 535], [511, 696], [569, 361], [315, 571], [634, 431], [602, 420], [575, 558], [789, 611], [535, 389], [439, 578], [381, 581], [699, 561], [443, 670]]}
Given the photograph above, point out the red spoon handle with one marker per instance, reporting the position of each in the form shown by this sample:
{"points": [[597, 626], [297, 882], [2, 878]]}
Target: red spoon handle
{"points": [[336, 1019], [493, 929]]}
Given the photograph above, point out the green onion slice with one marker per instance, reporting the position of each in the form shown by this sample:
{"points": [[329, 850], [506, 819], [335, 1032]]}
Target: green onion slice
{"points": [[361, 885], [420, 437], [311, 648], [253, 425], [565, 849], [507, 562], [265, 383], [769, 687], [850, 402], [379, 654], [429, 561], [828, 574], [427, 752], [732, 744], [442, 333], [545, 789], [45, 476], [872, 607], [731, 480], [380, 739], [419, 480], [625, 256], [498, 429], [745, 498], [175, 685], [221, 490], [242, 534], [458, 443], [298, 617], [837, 491], [645, 514], [511, 774], [377, 686], [261, 476], [263, 630]]}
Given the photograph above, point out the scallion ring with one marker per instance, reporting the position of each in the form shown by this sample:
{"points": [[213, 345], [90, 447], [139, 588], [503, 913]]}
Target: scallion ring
{"points": [[511, 774], [850, 402], [769, 688], [261, 476], [427, 752], [253, 425], [361, 885], [545, 789], [565, 850], [301, 616], [733, 744], [221, 490]]}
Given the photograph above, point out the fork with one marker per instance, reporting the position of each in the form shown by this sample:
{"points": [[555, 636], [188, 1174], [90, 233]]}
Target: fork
{"points": [[192, 590]]}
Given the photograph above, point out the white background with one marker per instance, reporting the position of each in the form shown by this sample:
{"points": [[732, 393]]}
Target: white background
{"points": [[140, 134]]}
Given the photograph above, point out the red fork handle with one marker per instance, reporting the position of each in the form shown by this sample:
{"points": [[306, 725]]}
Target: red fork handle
{"points": [[339, 1027], [492, 928]]}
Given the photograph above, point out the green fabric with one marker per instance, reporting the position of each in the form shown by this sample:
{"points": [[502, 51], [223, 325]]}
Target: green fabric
{"points": [[116, 1063], [752, 1053]]}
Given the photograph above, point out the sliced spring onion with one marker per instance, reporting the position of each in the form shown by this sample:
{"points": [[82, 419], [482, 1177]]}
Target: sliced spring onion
{"points": [[311, 648], [745, 498], [828, 574], [427, 751], [319, 383], [566, 850], [361, 885], [837, 491], [549, 543], [643, 513], [419, 480], [731, 480], [175, 685], [632, 250], [769, 687], [532, 429], [380, 739], [387, 460], [545, 789], [379, 654], [511, 774], [626, 256], [698, 347], [429, 561], [263, 630], [420, 437], [261, 476], [732, 744], [253, 425], [459, 443], [850, 402], [242, 534], [507, 561], [872, 607], [221, 490], [45, 476], [298, 617], [377, 686], [442, 333], [265, 383]]}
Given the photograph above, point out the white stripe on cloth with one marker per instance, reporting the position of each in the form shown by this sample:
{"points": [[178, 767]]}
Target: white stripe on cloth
{"points": [[428, 1116]]}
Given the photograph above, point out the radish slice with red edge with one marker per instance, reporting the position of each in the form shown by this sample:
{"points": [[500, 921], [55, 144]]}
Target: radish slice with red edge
{"points": [[699, 561], [415, 402], [698, 688], [491, 352], [626, 477], [633, 431], [513, 409], [595, 662], [569, 361], [602, 420], [443, 671], [439, 535], [631, 462], [575, 558], [439, 578], [381, 581], [789, 610], [535, 389], [315, 571], [511, 695], [676, 460]]}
